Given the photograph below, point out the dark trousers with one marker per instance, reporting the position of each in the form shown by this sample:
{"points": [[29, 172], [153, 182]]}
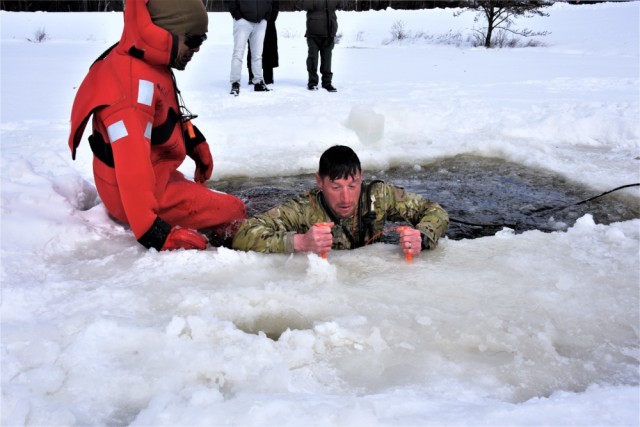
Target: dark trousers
{"points": [[267, 72], [323, 47]]}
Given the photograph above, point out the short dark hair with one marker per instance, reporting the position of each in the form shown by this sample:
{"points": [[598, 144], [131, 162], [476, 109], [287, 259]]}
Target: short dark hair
{"points": [[339, 162]]}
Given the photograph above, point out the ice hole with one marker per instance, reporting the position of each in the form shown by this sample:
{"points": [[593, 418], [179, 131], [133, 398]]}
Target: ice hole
{"points": [[482, 195]]}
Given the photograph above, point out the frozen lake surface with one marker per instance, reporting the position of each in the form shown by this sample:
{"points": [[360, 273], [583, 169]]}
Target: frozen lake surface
{"points": [[512, 327]]}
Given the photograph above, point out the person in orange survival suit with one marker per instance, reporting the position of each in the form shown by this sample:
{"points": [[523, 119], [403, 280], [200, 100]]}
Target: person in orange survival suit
{"points": [[142, 131]]}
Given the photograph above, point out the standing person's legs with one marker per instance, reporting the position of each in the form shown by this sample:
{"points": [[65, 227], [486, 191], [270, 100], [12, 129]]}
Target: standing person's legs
{"points": [[249, 64], [326, 51], [256, 41], [267, 73], [241, 31], [312, 61]]}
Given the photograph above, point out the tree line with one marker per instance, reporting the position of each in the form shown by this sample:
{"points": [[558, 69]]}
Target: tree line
{"points": [[218, 5], [498, 15], [214, 5]]}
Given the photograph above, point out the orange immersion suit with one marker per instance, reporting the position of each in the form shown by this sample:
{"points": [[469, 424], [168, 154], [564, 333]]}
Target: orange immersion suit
{"points": [[139, 137]]}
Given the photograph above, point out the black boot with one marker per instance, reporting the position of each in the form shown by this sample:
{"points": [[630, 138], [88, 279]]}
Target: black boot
{"points": [[329, 87], [235, 88], [261, 87]]}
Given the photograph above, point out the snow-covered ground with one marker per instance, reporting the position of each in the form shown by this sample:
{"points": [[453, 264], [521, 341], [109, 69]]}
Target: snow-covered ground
{"points": [[513, 329]]}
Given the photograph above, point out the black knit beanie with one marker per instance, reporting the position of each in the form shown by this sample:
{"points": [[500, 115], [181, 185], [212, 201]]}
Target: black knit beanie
{"points": [[179, 17]]}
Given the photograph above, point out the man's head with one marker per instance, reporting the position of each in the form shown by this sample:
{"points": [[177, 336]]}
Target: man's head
{"points": [[339, 177], [185, 19]]}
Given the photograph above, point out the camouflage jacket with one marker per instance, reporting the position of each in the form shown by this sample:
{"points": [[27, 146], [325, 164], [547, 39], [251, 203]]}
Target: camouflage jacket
{"points": [[273, 230]]}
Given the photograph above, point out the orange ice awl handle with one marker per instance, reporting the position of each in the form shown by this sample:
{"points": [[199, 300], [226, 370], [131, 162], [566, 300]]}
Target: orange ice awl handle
{"points": [[192, 133], [408, 257], [323, 224]]}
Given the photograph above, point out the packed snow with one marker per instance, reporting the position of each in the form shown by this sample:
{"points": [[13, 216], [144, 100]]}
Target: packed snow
{"points": [[512, 329]]}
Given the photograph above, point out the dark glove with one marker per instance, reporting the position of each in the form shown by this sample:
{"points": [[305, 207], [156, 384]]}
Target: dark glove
{"points": [[184, 238], [201, 155]]}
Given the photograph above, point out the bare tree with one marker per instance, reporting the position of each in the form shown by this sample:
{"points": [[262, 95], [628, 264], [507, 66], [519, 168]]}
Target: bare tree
{"points": [[500, 15]]}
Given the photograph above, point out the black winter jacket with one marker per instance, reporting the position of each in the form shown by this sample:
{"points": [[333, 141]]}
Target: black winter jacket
{"points": [[321, 17], [251, 10]]}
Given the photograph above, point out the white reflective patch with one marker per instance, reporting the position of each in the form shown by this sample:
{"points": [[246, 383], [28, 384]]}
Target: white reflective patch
{"points": [[145, 92], [116, 131], [147, 131]]}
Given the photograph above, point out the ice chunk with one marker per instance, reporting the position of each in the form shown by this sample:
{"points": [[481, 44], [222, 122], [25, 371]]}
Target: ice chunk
{"points": [[368, 125]]}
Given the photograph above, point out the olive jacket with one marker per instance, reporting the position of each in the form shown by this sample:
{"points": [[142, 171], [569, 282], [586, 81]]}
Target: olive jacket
{"points": [[273, 231]]}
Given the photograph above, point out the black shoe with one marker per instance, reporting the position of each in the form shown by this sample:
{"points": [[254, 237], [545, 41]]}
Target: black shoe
{"points": [[312, 87], [235, 89], [329, 87], [261, 87]]}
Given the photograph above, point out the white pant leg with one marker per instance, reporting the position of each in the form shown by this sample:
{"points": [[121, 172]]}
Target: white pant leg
{"points": [[256, 41], [242, 29]]}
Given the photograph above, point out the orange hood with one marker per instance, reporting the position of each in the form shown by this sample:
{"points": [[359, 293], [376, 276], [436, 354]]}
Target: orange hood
{"points": [[141, 39]]}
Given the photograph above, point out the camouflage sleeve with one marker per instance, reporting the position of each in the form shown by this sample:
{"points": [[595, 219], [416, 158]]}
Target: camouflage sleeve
{"points": [[424, 214], [273, 231]]}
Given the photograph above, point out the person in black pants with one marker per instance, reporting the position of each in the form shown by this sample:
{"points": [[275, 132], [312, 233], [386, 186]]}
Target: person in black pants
{"points": [[322, 26]]}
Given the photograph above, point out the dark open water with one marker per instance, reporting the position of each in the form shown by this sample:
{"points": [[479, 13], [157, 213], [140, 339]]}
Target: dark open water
{"points": [[486, 192]]}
